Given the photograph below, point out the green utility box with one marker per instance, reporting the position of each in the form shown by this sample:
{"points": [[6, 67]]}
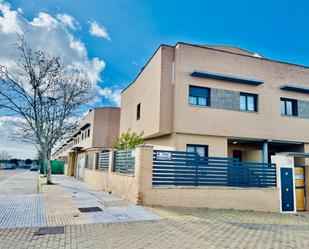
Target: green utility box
{"points": [[56, 167]]}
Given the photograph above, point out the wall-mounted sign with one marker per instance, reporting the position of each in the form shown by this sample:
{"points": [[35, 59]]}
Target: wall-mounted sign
{"points": [[163, 155]]}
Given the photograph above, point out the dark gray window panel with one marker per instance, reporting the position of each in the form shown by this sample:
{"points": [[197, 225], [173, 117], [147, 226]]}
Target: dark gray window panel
{"points": [[303, 109], [224, 99]]}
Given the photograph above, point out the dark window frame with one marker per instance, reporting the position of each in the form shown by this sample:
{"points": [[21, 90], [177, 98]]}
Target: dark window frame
{"points": [[200, 95], [294, 104], [88, 160], [255, 99], [138, 111], [205, 146], [238, 154]]}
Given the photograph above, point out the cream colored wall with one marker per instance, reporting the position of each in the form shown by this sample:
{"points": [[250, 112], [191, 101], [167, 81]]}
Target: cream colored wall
{"points": [[217, 146], [89, 118], [253, 156], [216, 197], [106, 126], [166, 91], [250, 153], [104, 130], [162, 142], [117, 184], [268, 123], [154, 90]]}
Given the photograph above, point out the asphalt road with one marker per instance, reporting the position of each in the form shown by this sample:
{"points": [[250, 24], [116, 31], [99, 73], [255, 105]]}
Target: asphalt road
{"points": [[18, 181]]}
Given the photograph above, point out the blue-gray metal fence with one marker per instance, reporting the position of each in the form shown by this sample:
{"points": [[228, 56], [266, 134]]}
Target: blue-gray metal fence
{"points": [[103, 161], [178, 168], [124, 161]]}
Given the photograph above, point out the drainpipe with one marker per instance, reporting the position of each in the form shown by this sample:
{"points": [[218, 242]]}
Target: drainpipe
{"points": [[265, 152]]}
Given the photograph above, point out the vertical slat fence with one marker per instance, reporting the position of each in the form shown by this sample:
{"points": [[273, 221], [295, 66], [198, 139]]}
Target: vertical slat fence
{"points": [[124, 161], [180, 168]]}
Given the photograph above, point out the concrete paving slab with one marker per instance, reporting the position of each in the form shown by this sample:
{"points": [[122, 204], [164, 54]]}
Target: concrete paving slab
{"points": [[21, 206], [85, 195], [22, 211]]}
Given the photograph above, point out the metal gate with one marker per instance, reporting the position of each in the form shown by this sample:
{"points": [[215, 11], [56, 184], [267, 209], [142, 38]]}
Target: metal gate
{"points": [[80, 165], [287, 191]]}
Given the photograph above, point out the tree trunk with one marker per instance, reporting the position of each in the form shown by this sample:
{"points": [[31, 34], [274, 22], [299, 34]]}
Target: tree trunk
{"points": [[47, 155], [49, 174]]}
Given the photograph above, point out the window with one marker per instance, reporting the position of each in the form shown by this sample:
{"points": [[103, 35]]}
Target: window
{"points": [[82, 135], [90, 161], [248, 102], [201, 150], [88, 132], [237, 154], [288, 107], [138, 111], [199, 96]]}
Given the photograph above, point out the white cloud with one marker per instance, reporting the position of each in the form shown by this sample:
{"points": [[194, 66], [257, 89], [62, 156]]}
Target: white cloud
{"points": [[52, 34], [113, 95], [9, 21], [68, 20], [45, 20], [20, 10], [97, 30]]}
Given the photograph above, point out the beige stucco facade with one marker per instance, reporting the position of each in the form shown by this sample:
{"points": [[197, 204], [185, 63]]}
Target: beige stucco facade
{"points": [[98, 130], [170, 122], [162, 89]]}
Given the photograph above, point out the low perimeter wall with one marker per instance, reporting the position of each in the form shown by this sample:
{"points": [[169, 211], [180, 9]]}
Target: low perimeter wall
{"points": [[138, 189], [118, 184], [265, 199]]}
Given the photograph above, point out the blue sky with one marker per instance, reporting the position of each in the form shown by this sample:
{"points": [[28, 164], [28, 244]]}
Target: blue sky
{"points": [[275, 29], [128, 32]]}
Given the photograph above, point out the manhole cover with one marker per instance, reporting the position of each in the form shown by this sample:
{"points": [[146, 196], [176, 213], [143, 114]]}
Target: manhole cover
{"points": [[90, 209], [50, 230]]}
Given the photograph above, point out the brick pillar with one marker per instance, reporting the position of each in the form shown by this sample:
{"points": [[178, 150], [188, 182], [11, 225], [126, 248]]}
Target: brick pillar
{"points": [[143, 171]]}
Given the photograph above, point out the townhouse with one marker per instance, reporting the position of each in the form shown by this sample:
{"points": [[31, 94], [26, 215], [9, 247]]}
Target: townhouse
{"points": [[219, 114], [220, 101], [96, 132]]}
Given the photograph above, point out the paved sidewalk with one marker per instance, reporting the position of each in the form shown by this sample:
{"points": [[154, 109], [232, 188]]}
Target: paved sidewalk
{"points": [[179, 228], [20, 204], [57, 205], [62, 202], [123, 225]]}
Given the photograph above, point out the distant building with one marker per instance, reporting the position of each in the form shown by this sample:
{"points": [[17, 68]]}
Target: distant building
{"points": [[97, 131]]}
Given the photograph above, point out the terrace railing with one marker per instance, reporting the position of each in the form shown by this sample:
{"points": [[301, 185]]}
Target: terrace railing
{"points": [[178, 168]]}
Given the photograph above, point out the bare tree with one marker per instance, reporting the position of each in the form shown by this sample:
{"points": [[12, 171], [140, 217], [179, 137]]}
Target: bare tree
{"points": [[46, 95], [4, 155]]}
